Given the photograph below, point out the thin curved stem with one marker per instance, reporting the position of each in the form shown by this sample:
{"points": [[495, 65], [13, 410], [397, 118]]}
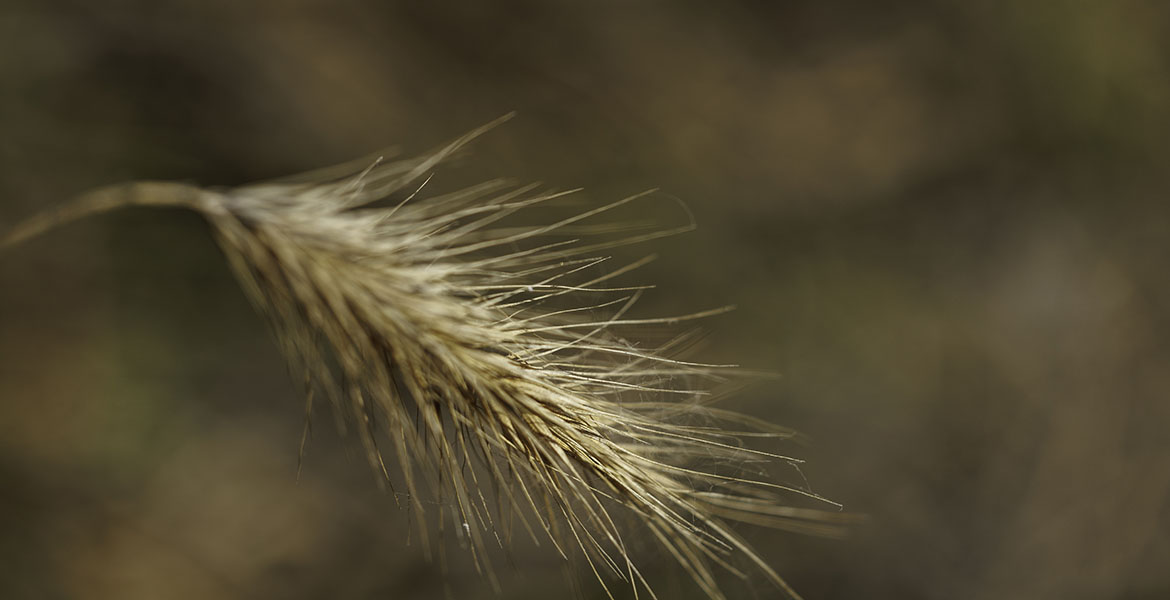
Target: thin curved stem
{"points": [[139, 193]]}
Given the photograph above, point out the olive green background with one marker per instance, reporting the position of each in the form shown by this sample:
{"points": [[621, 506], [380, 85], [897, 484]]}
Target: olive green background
{"points": [[944, 223]]}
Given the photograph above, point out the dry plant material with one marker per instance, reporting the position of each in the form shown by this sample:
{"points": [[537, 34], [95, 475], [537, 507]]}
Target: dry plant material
{"points": [[496, 377]]}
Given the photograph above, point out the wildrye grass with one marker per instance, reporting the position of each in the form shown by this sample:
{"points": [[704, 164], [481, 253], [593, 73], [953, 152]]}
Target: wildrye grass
{"points": [[487, 358]]}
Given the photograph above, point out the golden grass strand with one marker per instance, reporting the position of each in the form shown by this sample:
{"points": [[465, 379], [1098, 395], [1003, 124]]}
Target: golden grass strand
{"points": [[406, 317]]}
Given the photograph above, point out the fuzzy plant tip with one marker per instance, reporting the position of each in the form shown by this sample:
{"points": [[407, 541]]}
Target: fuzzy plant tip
{"points": [[490, 364]]}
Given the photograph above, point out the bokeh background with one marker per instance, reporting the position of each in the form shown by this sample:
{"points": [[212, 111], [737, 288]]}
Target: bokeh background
{"points": [[944, 223]]}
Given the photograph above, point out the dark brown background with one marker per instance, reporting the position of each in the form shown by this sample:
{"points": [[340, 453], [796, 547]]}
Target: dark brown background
{"points": [[944, 222]]}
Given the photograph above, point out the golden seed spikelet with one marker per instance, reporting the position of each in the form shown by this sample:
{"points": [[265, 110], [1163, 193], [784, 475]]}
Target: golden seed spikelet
{"points": [[473, 351]]}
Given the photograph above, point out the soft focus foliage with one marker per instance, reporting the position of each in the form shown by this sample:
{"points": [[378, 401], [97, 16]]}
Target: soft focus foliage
{"points": [[944, 223]]}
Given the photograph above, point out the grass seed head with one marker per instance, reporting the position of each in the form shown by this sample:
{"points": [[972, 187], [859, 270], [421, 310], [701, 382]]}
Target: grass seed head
{"points": [[486, 360]]}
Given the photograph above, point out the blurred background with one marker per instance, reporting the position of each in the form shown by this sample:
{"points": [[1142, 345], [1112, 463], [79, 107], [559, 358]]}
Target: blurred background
{"points": [[944, 223]]}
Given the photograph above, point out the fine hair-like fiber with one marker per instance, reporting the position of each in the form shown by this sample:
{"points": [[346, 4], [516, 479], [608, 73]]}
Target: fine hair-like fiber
{"points": [[493, 372]]}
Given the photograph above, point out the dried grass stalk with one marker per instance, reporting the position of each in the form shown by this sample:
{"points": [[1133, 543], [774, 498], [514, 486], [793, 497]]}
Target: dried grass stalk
{"points": [[470, 348]]}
